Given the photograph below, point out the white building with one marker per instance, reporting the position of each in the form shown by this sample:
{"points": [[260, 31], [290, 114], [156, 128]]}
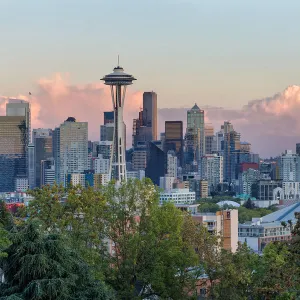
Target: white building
{"points": [[21, 184], [166, 183], [136, 174], [101, 165], [247, 179], [77, 179], [178, 196], [73, 147], [289, 166], [212, 170], [172, 164]]}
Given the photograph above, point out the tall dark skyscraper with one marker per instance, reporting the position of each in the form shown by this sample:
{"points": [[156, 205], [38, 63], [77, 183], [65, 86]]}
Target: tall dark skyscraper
{"points": [[150, 112], [145, 126], [42, 140], [174, 139], [155, 165]]}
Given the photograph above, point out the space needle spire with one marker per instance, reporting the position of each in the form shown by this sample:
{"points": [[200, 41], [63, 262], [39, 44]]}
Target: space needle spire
{"points": [[118, 81]]}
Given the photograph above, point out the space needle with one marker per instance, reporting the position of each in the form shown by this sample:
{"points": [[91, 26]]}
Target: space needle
{"points": [[118, 81]]}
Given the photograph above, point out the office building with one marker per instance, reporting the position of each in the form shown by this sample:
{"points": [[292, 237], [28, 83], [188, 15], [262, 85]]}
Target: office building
{"points": [[31, 167], [247, 178], [139, 158], [178, 196], [227, 226], [155, 162], [47, 172], [42, 141], [195, 134], [13, 151], [166, 183], [108, 117], [172, 162], [231, 152], [73, 148], [21, 108], [21, 184], [174, 139], [289, 167], [212, 170], [101, 165], [150, 113]]}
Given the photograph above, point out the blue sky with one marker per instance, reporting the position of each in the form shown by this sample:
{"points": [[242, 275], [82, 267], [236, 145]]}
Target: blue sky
{"points": [[216, 52]]}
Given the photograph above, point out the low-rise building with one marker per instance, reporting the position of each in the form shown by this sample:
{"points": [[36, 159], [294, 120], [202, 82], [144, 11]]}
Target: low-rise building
{"points": [[276, 226], [178, 196]]}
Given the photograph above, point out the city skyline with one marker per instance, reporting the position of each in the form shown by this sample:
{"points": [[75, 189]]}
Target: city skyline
{"points": [[271, 124]]}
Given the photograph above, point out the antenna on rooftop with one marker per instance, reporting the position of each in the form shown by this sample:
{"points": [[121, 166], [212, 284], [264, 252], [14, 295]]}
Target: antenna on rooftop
{"points": [[118, 60]]}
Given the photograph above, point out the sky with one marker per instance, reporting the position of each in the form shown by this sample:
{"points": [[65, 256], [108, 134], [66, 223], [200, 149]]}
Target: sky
{"points": [[220, 54]]}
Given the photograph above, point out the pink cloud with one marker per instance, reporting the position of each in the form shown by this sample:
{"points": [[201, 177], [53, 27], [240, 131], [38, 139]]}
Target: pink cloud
{"points": [[55, 99]]}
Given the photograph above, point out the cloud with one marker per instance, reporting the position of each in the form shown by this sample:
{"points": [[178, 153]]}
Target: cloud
{"points": [[55, 99], [271, 124]]}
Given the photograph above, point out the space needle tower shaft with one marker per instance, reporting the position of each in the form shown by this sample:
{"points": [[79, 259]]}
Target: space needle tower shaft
{"points": [[118, 81]]}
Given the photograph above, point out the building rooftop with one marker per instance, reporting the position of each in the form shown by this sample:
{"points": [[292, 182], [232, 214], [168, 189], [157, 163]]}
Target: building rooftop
{"points": [[195, 107], [282, 215]]}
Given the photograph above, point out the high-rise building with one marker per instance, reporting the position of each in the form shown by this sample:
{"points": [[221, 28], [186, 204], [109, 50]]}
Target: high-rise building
{"points": [[172, 164], [42, 141], [298, 149], [56, 154], [107, 132], [101, 165], [73, 148], [231, 147], [150, 113], [47, 172], [118, 82], [144, 128], [155, 162], [289, 167], [212, 170], [108, 117], [174, 139], [194, 138], [16, 107], [13, 151], [31, 167]]}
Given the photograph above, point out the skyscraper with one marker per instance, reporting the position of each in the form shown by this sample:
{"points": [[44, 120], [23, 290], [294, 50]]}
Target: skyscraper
{"points": [[174, 139], [231, 148], [56, 153], [73, 148], [42, 140], [16, 107], [150, 113], [118, 81], [108, 117], [13, 149], [155, 164], [194, 138]]}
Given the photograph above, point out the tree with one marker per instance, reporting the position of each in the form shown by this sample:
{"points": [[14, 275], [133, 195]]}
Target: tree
{"points": [[150, 253], [249, 204], [274, 274], [235, 274], [40, 266]]}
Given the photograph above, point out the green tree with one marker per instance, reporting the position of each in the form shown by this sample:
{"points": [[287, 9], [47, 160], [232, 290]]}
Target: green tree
{"points": [[150, 249], [274, 273], [235, 274], [40, 266]]}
